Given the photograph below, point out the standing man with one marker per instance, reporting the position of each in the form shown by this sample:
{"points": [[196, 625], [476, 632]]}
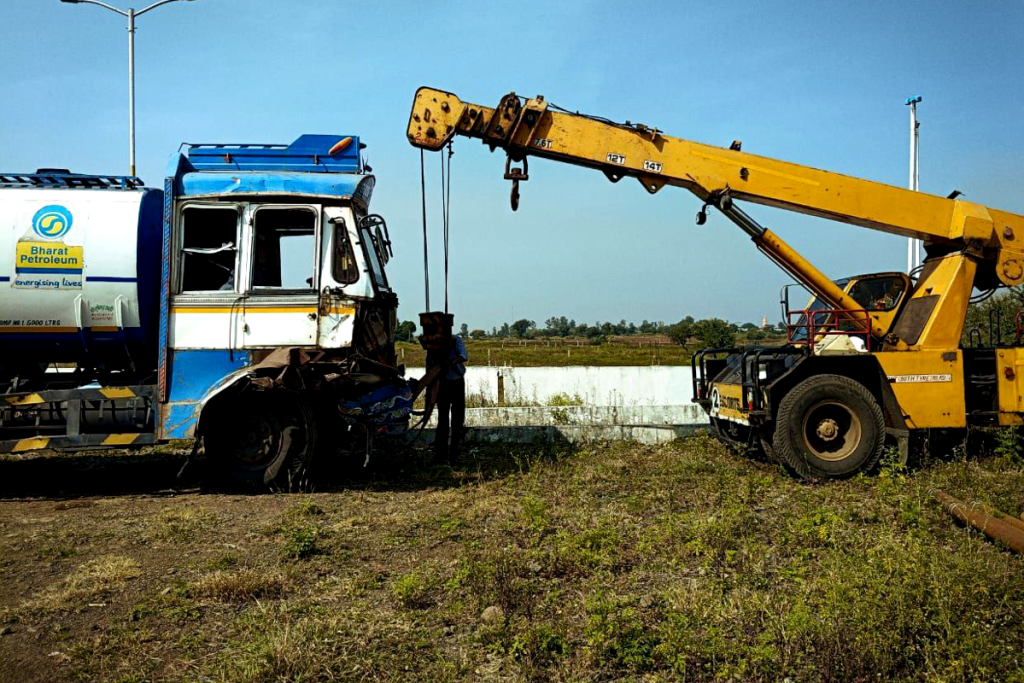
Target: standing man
{"points": [[451, 399]]}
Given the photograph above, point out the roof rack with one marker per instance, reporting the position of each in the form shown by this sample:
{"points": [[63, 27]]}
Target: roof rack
{"points": [[64, 179], [318, 153]]}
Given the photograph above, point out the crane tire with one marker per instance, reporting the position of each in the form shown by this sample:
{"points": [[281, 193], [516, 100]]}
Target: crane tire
{"points": [[261, 441], [829, 427]]}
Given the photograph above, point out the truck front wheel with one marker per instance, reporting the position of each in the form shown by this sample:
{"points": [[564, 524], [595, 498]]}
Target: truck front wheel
{"points": [[261, 440], [829, 427]]}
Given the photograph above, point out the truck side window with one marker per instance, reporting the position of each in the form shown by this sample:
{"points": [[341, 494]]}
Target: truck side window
{"points": [[209, 244], [344, 266], [284, 249]]}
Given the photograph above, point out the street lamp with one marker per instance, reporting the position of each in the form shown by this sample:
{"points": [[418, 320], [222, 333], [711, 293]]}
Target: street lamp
{"points": [[914, 245], [131, 14]]}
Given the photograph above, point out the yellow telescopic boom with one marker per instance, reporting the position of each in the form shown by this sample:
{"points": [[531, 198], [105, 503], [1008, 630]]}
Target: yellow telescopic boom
{"points": [[718, 176]]}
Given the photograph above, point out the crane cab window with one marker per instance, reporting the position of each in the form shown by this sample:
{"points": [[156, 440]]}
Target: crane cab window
{"points": [[209, 247], [878, 293], [284, 249]]}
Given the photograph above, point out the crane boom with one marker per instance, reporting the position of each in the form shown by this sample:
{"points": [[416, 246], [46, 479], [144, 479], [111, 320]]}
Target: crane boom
{"points": [[532, 127]]}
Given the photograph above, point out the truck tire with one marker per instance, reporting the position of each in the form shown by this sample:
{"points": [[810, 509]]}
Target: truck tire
{"points": [[260, 441], [829, 427]]}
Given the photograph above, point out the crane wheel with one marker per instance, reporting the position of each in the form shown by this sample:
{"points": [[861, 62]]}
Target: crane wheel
{"points": [[260, 441], [829, 427]]}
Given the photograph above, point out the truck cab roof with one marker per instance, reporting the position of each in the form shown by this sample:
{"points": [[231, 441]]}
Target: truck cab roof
{"points": [[324, 166]]}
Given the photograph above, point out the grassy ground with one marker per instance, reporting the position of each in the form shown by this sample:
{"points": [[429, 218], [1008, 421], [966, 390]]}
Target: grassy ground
{"points": [[620, 562], [499, 353]]}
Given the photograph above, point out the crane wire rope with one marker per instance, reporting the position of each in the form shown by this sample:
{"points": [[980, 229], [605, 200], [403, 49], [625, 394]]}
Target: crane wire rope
{"points": [[426, 263], [418, 430], [446, 203], [446, 196]]}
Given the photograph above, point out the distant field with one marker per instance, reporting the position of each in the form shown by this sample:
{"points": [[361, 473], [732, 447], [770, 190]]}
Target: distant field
{"points": [[534, 353], [680, 562], [636, 350]]}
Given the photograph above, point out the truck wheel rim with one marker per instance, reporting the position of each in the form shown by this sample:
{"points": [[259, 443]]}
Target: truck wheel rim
{"points": [[831, 431], [257, 441]]}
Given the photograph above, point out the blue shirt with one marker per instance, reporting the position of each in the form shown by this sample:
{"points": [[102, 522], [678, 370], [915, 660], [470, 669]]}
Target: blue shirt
{"points": [[458, 349]]}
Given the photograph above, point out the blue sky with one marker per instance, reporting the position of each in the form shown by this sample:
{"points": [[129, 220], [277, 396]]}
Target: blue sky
{"points": [[820, 83]]}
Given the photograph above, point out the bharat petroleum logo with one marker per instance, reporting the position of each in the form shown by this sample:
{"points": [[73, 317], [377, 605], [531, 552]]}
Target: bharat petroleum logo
{"points": [[52, 222]]}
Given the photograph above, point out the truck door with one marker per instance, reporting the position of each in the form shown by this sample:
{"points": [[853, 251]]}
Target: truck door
{"points": [[343, 279], [355, 249], [280, 303]]}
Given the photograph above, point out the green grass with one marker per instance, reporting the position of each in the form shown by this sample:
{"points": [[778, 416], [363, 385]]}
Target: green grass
{"points": [[535, 354], [680, 562], [301, 542], [561, 352]]}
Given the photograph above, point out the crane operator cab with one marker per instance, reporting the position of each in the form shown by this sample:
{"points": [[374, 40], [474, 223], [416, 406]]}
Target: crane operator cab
{"points": [[880, 294]]}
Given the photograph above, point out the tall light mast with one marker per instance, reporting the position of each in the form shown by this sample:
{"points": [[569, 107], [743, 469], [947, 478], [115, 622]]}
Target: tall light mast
{"points": [[914, 245]]}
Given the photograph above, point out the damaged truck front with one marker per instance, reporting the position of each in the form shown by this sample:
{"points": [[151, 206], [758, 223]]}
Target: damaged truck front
{"points": [[275, 327]]}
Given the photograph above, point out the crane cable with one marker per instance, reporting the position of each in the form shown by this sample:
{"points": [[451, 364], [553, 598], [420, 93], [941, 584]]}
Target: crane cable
{"points": [[446, 204], [446, 197], [446, 193], [426, 264]]}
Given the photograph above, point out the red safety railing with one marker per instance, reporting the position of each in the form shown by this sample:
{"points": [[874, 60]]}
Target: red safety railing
{"points": [[809, 326]]}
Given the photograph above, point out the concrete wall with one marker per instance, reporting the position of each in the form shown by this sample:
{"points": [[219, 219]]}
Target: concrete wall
{"points": [[650, 404], [635, 385], [646, 424], [625, 416], [576, 434]]}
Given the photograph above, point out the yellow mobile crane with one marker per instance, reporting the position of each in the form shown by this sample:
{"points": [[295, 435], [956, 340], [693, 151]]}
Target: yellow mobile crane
{"points": [[872, 356]]}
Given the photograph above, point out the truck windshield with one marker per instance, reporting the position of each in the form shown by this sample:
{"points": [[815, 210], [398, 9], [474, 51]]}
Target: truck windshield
{"points": [[373, 258], [284, 254]]}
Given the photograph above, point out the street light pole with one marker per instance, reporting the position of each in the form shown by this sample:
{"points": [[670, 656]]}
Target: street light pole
{"points": [[130, 14], [914, 245], [131, 91]]}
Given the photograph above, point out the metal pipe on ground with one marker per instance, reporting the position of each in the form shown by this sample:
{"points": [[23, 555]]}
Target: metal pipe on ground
{"points": [[1001, 516], [987, 524]]}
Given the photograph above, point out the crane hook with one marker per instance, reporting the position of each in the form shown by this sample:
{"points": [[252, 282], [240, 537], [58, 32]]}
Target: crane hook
{"points": [[702, 215], [515, 175]]}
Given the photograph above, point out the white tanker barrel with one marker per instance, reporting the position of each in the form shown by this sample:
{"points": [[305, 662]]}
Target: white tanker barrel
{"points": [[79, 273]]}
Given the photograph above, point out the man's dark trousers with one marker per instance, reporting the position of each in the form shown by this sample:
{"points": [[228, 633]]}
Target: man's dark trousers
{"points": [[451, 399]]}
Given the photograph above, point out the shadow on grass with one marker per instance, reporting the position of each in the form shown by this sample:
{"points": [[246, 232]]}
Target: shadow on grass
{"points": [[395, 465], [399, 466], [90, 473]]}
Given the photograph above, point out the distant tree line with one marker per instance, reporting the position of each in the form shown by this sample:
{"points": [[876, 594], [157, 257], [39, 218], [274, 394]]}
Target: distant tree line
{"points": [[709, 332]]}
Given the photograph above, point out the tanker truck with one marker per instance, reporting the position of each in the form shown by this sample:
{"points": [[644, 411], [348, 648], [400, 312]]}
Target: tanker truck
{"points": [[244, 306]]}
